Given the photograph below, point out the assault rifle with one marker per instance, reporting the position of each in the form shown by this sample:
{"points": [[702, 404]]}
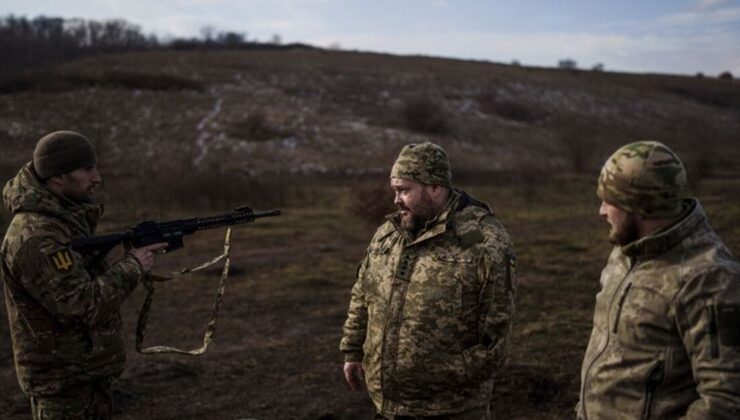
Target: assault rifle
{"points": [[172, 232]]}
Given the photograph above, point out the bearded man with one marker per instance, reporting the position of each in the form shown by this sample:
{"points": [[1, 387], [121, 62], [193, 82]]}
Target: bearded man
{"points": [[63, 306], [431, 310], [665, 342]]}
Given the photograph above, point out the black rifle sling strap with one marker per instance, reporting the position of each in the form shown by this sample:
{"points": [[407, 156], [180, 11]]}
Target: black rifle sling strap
{"points": [[210, 329]]}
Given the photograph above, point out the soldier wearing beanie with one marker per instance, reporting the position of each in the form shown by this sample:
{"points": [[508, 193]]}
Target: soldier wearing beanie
{"points": [[431, 310], [62, 152], [63, 307], [666, 332]]}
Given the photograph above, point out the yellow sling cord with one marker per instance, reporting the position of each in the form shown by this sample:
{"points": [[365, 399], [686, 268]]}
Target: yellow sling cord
{"points": [[210, 329]]}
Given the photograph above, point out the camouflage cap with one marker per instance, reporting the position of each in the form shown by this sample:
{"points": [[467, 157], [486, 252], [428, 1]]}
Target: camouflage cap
{"points": [[62, 151], [426, 163], [645, 177]]}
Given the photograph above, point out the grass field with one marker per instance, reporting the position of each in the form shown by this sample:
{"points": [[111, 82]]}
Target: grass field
{"points": [[276, 350], [182, 133]]}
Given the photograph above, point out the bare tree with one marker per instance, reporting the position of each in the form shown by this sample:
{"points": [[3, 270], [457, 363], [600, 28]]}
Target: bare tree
{"points": [[568, 64], [46, 39]]}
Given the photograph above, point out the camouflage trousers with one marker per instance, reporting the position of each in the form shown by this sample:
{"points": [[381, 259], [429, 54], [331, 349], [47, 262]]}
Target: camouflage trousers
{"points": [[477, 413], [92, 401]]}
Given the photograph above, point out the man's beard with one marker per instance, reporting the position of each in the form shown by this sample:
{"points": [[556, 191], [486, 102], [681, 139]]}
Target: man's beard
{"points": [[625, 232], [82, 197], [424, 211]]}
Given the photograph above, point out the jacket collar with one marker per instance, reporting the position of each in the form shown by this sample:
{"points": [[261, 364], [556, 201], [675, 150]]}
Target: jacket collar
{"points": [[669, 237], [26, 193]]}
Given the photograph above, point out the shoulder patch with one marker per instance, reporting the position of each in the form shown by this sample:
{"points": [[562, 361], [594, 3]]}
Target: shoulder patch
{"points": [[61, 260], [491, 220], [470, 238]]}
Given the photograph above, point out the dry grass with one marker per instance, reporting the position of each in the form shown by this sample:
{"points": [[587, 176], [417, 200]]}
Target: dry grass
{"points": [[275, 354], [50, 81], [331, 124]]}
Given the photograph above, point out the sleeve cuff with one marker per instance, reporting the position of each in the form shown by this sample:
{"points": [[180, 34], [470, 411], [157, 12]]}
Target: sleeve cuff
{"points": [[134, 263], [353, 356]]}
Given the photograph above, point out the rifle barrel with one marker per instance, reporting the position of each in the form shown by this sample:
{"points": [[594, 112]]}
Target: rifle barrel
{"points": [[267, 213], [231, 219]]}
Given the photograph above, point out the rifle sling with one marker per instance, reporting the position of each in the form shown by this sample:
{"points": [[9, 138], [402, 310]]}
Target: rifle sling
{"points": [[210, 328]]}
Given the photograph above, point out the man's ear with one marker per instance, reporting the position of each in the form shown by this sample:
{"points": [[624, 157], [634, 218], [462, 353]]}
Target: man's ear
{"points": [[56, 180], [437, 192]]}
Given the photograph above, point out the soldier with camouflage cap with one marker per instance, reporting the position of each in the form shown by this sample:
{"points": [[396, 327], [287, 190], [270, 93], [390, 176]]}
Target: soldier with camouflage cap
{"points": [[63, 307], [431, 310], [666, 332]]}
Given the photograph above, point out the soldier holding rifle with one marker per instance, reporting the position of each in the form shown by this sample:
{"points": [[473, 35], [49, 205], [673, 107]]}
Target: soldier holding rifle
{"points": [[63, 306]]}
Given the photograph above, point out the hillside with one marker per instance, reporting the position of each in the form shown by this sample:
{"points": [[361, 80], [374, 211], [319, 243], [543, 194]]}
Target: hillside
{"points": [[314, 112], [314, 133]]}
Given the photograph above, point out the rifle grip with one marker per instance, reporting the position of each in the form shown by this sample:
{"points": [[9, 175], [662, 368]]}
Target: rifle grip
{"points": [[174, 243]]}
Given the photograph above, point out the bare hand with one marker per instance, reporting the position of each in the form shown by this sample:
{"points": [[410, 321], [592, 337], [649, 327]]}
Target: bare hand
{"points": [[354, 375], [146, 254]]}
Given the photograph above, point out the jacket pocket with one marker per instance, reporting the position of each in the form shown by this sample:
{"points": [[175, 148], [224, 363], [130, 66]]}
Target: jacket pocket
{"points": [[453, 258], [377, 277], [652, 380], [431, 376], [622, 298], [713, 332], [728, 324]]}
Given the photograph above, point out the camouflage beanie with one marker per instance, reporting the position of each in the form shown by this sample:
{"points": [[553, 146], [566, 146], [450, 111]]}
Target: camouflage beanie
{"points": [[425, 163], [60, 152], [645, 177]]}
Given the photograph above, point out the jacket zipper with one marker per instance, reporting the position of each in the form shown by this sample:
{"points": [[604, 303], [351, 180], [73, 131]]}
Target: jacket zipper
{"points": [[653, 379], [606, 344], [619, 308]]}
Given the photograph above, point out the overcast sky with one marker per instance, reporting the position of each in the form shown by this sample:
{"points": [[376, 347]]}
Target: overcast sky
{"points": [[664, 36]]}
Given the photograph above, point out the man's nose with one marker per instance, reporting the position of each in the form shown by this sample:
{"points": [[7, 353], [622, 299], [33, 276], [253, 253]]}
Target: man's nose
{"points": [[96, 176], [397, 199], [602, 209]]}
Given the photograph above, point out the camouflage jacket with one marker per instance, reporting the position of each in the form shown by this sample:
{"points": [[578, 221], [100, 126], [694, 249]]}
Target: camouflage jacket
{"points": [[666, 334], [63, 308], [430, 316]]}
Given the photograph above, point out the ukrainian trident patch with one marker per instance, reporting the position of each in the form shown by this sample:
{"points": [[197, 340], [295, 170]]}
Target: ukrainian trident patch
{"points": [[61, 260]]}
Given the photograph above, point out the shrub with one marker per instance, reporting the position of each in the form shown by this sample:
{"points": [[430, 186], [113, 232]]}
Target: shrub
{"points": [[255, 127], [708, 94], [509, 109], [516, 111], [426, 117], [726, 75]]}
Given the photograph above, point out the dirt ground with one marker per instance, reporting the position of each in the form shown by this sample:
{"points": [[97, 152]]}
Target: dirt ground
{"points": [[275, 354]]}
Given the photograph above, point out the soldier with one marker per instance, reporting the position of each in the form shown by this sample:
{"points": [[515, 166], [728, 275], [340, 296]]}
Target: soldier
{"points": [[63, 307], [431, 310], [666, 336]]}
